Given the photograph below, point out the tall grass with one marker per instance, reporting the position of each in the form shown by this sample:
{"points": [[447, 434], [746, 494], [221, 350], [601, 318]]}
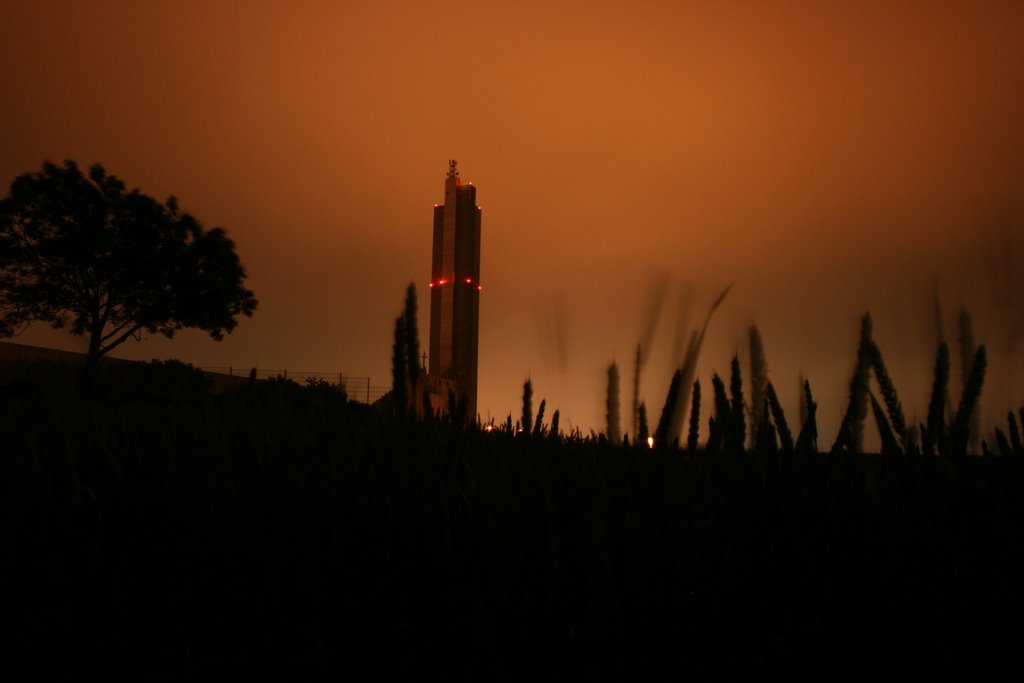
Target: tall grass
{"points": [[736, 435], [538, 426], [933, 436], [758, 378], [612, 420], [851, 430], [807, 441], [662, 436], [779, 417], [637, 364], [960, 430], [689, 368], [968, 352], [282, 531], [728, 425], [692, 440]]}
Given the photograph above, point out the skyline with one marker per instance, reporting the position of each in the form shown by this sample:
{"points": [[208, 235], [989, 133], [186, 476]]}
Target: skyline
{"points": [[826, 160]]}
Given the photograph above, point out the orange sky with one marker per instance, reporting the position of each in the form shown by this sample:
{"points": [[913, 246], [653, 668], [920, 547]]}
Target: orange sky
{"points": [[827, 158]]}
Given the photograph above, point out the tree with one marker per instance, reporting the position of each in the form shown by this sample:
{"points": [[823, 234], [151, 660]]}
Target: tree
{"points": [[405, 360], [399, 368], [82, 252], [412, 334]]}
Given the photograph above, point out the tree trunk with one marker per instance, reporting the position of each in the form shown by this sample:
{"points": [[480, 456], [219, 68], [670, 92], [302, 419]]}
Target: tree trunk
{"points": [[92, 361]]}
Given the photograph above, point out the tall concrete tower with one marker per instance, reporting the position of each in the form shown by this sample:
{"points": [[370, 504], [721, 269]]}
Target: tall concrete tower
{"points": [[455, 288]]}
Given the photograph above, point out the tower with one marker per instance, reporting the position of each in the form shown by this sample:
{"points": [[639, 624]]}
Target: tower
{"points": [[455, 288]]}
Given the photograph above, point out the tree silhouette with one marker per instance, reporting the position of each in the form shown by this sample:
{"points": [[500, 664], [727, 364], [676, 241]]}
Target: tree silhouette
{"points": [[83, 252], [527, 406], [412, 334], [399, 367], [405, 360]]}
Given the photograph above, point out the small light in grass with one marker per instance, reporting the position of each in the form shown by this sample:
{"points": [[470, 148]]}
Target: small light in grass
{"points": [[650, 442]]}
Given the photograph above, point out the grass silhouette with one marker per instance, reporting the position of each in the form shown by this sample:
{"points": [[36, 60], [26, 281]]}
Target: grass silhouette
{"points": [[282, 530]]}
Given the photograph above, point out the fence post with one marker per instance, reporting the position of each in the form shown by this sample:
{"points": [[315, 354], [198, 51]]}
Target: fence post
{"points": [[367, 391]]}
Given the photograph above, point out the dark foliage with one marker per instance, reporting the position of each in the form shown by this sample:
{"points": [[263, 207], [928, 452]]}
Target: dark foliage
{"points": [[405, 360], [400, 368], [412, 335], [280, 534]]}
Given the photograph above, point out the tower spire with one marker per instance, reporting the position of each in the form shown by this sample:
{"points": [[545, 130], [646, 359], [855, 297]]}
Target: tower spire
{"points": [[452, 171]]}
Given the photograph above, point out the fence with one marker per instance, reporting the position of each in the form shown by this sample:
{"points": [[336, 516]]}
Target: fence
{"points": [[358, 388], [62, 370]]}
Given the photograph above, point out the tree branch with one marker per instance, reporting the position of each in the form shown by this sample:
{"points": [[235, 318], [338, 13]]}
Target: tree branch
{"points": [[116, 342], [114, 331]]}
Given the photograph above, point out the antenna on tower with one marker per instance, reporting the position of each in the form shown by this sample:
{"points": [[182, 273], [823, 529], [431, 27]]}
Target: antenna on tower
{"points": [[452, 171]]}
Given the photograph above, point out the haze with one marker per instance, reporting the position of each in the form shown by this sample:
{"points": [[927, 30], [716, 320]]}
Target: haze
{"points": [[827, 158]]}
